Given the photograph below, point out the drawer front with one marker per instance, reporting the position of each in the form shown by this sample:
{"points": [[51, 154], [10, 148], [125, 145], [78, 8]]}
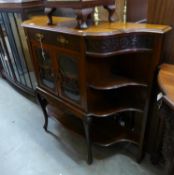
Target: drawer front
{"points": [[119, 43], [57, 39]]}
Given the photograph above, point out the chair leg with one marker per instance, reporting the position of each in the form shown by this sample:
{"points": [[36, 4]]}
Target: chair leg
{"points": [[43, 104], [87, 127]]}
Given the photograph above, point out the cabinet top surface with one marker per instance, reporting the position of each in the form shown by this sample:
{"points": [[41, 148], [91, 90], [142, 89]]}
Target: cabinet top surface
{"points": [[68, 25]]}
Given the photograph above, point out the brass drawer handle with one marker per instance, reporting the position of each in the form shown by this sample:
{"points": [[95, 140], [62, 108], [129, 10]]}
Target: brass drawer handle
{"points": [[62, 40], [39, 36]]}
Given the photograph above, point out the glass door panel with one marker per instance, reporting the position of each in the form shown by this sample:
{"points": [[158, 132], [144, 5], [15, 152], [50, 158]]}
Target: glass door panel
{"points": [[4, 59], [69, 78], [45, 68]]}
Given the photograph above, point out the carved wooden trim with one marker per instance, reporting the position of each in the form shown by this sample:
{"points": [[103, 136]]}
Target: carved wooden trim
{"points": [[111, 44]]}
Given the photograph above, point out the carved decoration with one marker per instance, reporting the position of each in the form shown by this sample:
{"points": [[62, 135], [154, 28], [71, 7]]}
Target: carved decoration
{"points": [[119, 43]]}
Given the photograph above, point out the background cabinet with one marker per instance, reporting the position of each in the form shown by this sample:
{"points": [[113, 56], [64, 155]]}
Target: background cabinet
{"points": [[15, 62]]}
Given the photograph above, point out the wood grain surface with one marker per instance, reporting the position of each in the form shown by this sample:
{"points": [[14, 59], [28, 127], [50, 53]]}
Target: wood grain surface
{"points": [[166, 81], [68, 25]]}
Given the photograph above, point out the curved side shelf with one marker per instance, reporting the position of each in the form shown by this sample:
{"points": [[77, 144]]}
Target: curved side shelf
{"points": [[104, 137], [109, 110], [109, 102], [115, 134], [114, 82]]}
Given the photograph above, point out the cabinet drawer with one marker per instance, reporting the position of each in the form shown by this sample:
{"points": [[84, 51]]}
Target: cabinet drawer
{"points": [[57, 39], [104, 46]]}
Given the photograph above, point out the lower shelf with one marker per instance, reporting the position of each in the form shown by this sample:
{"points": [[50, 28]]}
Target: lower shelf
{"points": [[105, 132]]}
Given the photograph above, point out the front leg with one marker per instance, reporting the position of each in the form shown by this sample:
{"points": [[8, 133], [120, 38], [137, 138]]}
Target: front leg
{"points": [[87, 127], [43, 103]]}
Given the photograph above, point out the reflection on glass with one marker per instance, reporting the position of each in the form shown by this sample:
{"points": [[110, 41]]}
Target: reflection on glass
{"points": [[4, 61], [46, 74], [10, 53], [69, 77], [25, 60]]}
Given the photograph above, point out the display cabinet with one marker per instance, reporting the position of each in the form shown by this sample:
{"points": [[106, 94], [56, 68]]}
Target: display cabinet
{"points": [[15, 62], [96, 81]]}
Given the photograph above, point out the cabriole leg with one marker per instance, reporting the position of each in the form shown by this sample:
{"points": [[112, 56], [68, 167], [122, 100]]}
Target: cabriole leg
{"points": [[87, 127], [43, 104]]}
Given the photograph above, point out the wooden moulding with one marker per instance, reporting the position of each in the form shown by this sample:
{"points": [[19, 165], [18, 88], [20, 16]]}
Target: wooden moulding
{"points": [[83, 10]]}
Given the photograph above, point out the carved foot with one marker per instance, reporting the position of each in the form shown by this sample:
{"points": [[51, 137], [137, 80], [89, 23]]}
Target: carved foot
{"points": [[49, 12], [140, 157], [111, 11], [82, 17], [46, 125]]}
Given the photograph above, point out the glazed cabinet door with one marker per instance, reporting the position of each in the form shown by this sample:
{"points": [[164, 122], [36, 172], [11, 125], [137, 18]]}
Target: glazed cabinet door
{"points": [[44, 66], [69, 77]]}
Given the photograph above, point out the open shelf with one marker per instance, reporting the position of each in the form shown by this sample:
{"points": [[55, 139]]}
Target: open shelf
{"points": [[105, 132], [105, 109], [113, 82], [118, 71], [106, 103]]}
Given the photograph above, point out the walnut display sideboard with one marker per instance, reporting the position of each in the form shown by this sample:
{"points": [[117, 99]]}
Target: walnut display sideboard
{"points": [[97, 81]]}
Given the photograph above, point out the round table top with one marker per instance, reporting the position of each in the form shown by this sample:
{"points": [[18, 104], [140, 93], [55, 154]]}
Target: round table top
{"points": [[166, 83]]}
